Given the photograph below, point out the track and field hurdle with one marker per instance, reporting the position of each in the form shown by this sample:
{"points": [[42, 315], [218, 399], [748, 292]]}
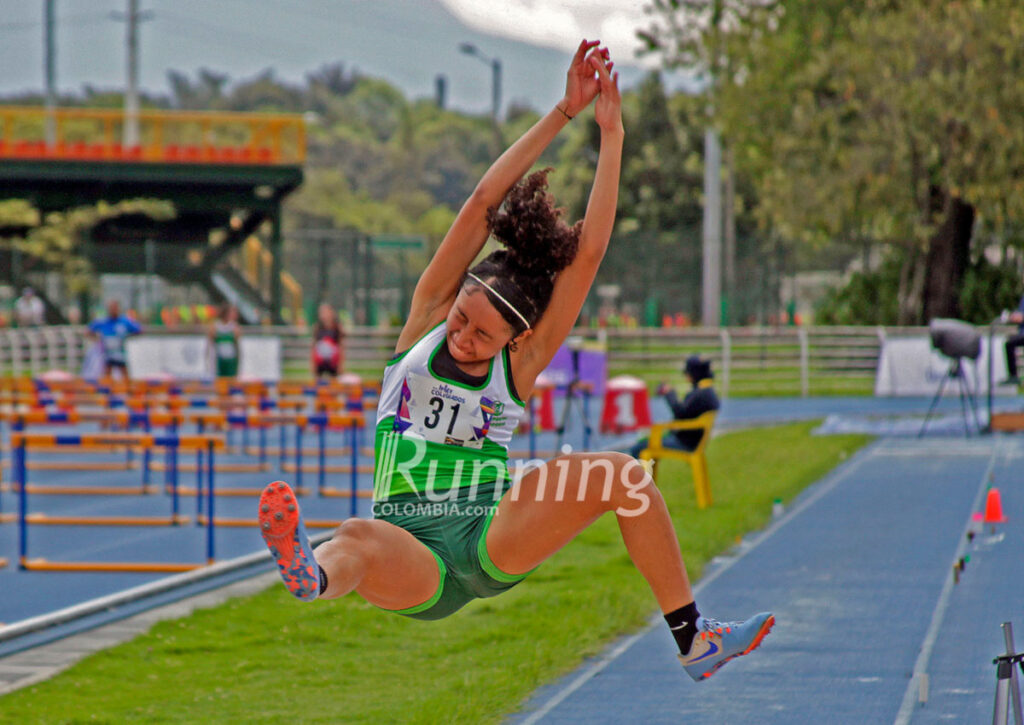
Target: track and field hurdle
{"points": [[319, 421], [353, 421], [122, 418], [22, 442]]}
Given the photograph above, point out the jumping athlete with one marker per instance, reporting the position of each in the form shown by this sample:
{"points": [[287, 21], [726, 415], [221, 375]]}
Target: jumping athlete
{"points": [[451, 523]]}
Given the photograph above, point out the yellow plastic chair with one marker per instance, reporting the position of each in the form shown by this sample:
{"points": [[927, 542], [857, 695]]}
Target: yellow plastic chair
{"points": [[696, 458]]}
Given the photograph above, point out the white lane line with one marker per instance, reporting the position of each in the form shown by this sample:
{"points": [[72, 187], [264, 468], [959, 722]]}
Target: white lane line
{"points": [[911, 695], [817, 493]]}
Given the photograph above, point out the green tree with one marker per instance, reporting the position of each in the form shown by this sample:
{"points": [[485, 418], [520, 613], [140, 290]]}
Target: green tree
{"points": [[883, 122]]}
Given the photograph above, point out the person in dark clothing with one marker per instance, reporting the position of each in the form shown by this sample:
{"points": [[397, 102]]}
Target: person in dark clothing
{"points": [[701, 399], [328, 353], [1012, 343]]}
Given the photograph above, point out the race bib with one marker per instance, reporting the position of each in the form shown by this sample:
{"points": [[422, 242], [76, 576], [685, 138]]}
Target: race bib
{"points": [[442, 413], [226, 350], [113, 347], [325, 349]]}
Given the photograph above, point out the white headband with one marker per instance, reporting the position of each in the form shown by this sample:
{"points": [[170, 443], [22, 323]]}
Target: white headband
{"points": [[507, 303]]}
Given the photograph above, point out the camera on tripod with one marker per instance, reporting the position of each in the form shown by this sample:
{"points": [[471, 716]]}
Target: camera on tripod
{"points": [[957, 341], [577, 394]]}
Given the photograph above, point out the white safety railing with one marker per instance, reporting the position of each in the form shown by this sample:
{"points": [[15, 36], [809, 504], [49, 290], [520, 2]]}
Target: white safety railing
{"points": [[746, 360]]}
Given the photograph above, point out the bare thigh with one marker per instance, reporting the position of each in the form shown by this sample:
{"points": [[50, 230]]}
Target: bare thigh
{"points": [[385, 564], [553, 503]]}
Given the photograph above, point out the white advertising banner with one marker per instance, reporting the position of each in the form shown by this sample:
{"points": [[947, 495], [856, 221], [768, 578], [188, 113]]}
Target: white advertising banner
{"points": [[910, 366], [190, 357]]}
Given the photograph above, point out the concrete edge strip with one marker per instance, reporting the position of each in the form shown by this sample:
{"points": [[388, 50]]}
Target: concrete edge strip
{"points": [[134, 594], [830, 482], [911, 695], [114, 633]]}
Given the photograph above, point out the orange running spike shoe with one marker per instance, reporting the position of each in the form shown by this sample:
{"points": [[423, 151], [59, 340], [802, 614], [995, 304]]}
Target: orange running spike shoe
{"points": [[282, 528], [718, 642]]}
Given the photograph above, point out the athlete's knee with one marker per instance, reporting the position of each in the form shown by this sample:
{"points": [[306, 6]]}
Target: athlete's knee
{"points": [[613, 478], [355, 530], [354, 536]]}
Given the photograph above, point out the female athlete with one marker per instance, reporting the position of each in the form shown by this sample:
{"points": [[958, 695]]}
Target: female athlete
{"points": [[451, 523]]}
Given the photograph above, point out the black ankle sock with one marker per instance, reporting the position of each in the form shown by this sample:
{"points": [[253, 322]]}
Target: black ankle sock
{"points": [[323, 580], [683, 623]]}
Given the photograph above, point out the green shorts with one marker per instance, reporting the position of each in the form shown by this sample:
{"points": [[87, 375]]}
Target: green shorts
{"points": [[227, 367], [455, 532]]}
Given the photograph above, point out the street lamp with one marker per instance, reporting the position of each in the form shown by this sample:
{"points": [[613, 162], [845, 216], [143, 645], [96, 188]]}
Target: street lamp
{"points": [[495, 63]]}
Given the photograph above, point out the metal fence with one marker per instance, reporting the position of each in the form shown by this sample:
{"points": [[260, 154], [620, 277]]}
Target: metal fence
{"points": [[746, 360]]}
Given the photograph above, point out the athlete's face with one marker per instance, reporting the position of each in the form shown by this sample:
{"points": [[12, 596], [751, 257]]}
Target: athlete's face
{"points": [[476, 330]]}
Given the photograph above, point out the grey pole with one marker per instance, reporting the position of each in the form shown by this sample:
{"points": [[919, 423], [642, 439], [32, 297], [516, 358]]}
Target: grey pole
{"points": [[729, 239], [50, 70], [496, 89], [712, 232], [1018, 717], [131, 91]]}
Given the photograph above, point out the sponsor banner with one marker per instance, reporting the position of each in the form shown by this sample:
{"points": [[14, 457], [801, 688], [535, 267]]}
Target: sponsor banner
{"points": [[190, 357], [593, 368]]}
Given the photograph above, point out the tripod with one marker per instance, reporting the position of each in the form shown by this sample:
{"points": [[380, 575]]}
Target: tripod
{"points": [[577, 395], [956, 371], [1006, 682]]}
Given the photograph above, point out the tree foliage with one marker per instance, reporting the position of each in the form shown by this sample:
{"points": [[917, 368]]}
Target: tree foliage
{"points": [[379, 162], [869, 121]]}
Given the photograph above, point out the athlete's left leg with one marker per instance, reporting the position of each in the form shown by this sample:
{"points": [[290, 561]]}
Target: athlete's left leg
{"points": [[554, 502], [551, 504]]}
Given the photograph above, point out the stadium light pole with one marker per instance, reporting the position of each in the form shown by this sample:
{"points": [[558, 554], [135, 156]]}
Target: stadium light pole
{"points": [[495, 63], [50, 71]]}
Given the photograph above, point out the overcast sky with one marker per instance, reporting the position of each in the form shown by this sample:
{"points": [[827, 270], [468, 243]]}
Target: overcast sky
{"points": [[407, 42]]}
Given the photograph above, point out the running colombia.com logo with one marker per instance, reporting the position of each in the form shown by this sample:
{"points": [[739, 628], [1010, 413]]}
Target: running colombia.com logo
{"points": [[456, 491], [433, 509]]}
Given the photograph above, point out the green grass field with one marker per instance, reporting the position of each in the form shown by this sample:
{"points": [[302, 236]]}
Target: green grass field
{"points": [[268, 658]]}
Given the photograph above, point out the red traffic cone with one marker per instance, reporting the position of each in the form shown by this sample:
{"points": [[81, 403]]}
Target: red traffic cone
{"points": [[994, 508]]}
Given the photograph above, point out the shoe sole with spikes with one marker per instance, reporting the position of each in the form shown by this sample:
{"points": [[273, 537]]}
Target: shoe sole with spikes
{"points": [[282, 529]]}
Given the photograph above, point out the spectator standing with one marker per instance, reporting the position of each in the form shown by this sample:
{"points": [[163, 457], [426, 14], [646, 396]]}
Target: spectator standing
{"points": [[328, 343], [111, 332], [29, 310], [224, 337]]}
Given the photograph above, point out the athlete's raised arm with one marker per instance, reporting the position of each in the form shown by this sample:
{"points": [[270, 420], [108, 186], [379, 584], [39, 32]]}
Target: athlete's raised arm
{"points": [[440, 282], [573, 283]]}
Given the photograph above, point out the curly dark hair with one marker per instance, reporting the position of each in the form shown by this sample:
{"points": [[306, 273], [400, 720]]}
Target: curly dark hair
{"points": [[538, 245]]}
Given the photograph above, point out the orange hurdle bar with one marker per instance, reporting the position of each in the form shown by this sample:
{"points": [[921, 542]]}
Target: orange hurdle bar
{"points": [[140, 440], [237, 492], [223, 467], [241, 523], [97, 566], [47, 520], [342, 493], [329, 451], [56, 490], [328, 467], [82, 465]]}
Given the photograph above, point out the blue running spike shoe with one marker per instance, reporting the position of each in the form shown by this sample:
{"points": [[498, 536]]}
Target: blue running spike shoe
{"points": [[718, 642], [282, 528]]}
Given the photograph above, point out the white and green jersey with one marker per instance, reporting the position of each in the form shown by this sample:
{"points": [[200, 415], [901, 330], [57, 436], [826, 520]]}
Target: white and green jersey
{"points": [[436, 433]]}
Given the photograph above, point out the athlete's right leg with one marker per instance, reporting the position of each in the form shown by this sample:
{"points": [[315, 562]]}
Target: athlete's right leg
{"points": [[386, 565], [383, 563]]}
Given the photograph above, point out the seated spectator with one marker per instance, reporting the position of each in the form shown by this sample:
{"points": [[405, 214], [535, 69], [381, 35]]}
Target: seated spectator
{"points": [[701, 399]]}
